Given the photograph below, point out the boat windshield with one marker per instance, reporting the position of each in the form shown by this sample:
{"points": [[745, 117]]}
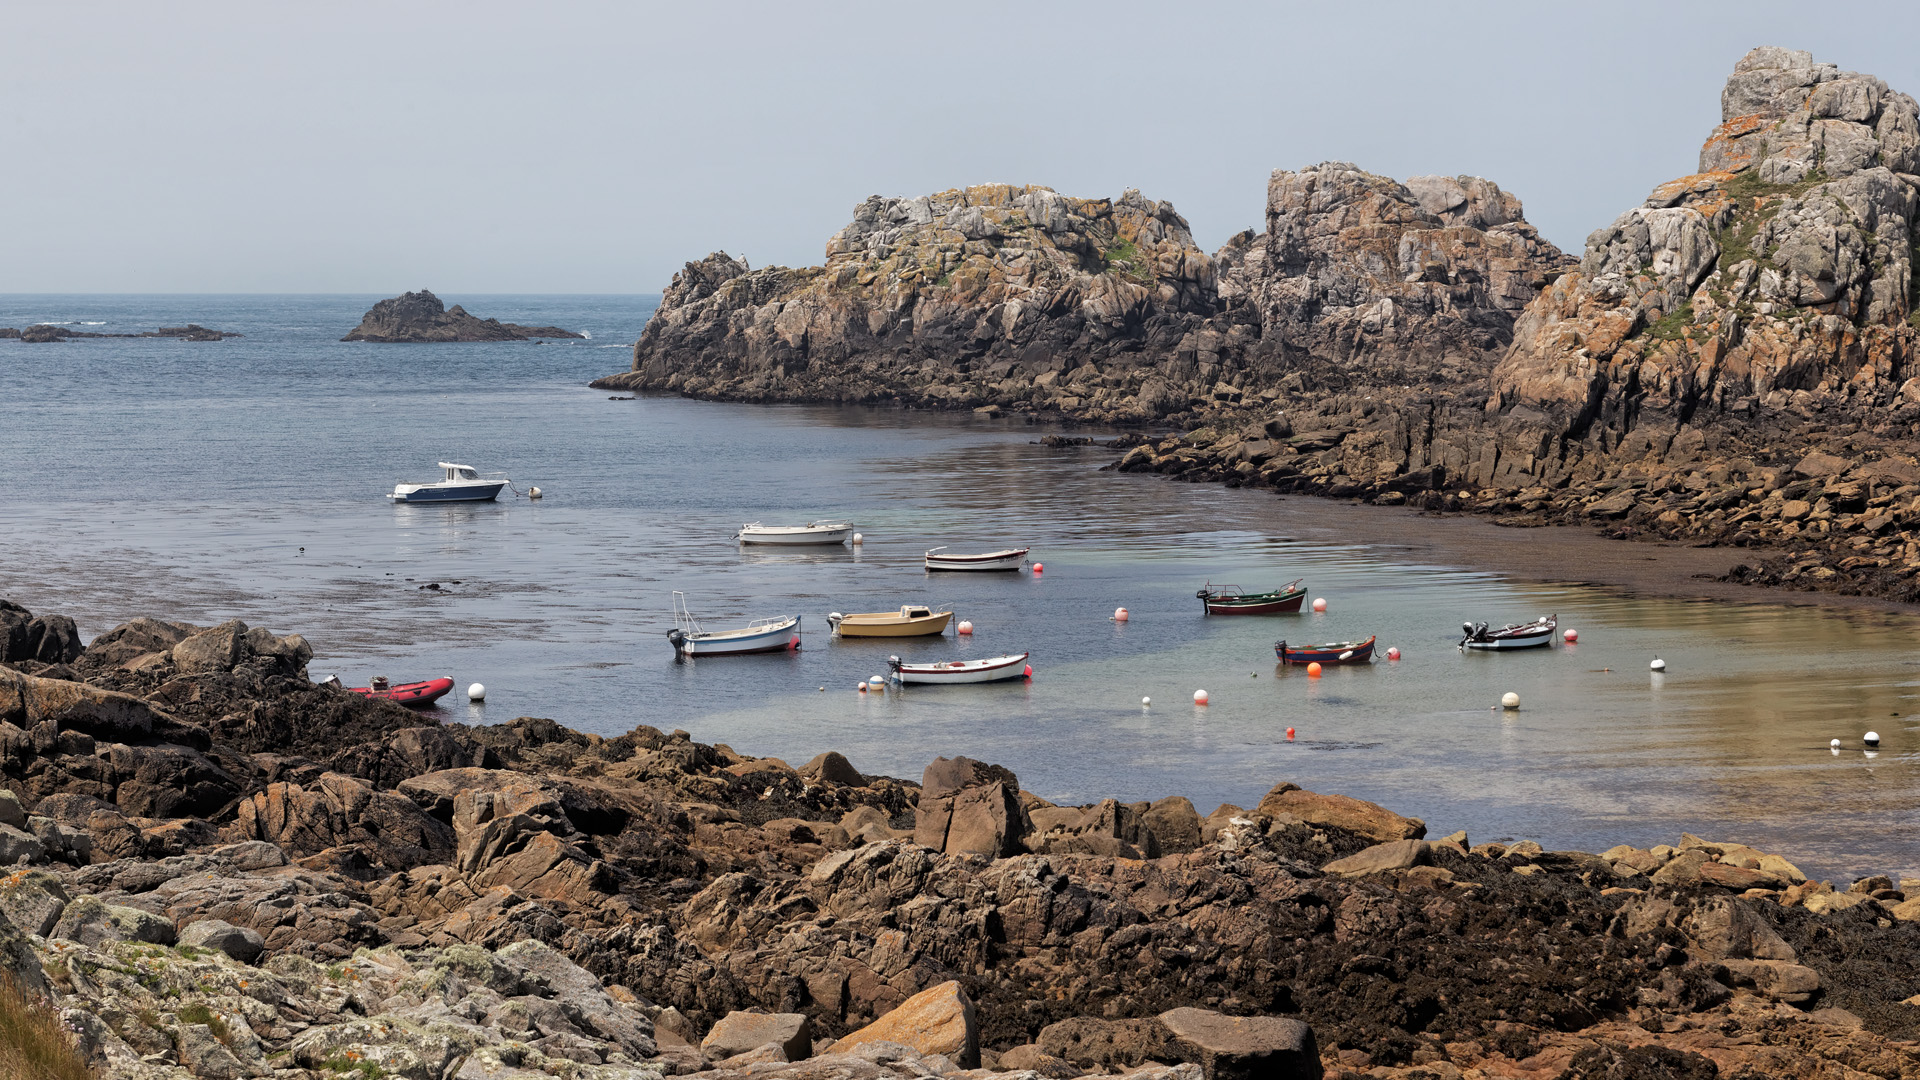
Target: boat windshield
{"points": [[467, 474]]}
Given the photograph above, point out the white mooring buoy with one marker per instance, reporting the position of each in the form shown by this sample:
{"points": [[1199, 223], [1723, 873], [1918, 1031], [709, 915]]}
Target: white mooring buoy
{"points": [[1658, 664], [476, 692], [1510, 700], [1872, 738]]}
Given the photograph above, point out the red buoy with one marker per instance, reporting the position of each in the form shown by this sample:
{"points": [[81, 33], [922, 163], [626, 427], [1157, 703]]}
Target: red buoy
{"points": [[1289, 733], [1029, 671]]}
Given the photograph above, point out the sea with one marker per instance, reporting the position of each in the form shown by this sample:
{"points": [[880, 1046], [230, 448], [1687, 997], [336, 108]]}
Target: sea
{"points": [[246, 478]]}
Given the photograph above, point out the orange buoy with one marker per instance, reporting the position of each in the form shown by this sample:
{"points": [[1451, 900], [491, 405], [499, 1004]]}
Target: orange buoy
{"points": [[1037, 568], [1120, 614], [1199, 697], [1289, 733], [1571, 636], [1313, 671], [1319, 603], [966, 626], [1029, 671], [1393, 654]]}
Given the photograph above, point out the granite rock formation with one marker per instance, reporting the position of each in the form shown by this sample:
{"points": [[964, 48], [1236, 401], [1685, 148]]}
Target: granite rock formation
{"points": [[219, 870], [421, 317], [969, 297], [1021, 299], [1361, 279]]}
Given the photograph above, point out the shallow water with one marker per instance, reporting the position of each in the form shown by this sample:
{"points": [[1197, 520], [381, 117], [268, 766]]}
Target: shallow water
{"points": [[244, 478]]}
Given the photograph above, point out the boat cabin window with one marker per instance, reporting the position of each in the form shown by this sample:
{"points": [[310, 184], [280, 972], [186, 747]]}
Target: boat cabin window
{"points": [[467, 474], [919, 612]]}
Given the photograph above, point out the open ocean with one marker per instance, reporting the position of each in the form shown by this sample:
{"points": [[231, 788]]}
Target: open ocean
{"points": [[203, 481]]}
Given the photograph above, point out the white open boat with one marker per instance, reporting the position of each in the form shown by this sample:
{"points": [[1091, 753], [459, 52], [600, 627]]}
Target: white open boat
{"points": [[1007, 559], [991, 669], [1517, 636], [813, 532], [462, 483], [762, 635]]}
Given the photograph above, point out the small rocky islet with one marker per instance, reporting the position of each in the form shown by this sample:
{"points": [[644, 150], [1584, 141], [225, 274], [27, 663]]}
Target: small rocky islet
{"points": [[42, 333], [421, 317], [1731, 363], [219, 869]]}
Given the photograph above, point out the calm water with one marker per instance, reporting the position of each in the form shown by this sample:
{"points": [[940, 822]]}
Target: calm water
{"points": [[244, 478]]}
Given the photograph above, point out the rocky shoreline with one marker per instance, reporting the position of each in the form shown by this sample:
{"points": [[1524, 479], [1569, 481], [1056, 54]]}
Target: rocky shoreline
{"points": [[1732, 363], [222, 870], [413, 318]]}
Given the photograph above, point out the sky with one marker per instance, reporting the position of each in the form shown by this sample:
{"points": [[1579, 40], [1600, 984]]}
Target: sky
{"points": [[563, 147]]}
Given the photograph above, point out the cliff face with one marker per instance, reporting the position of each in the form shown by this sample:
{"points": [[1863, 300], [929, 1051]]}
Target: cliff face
{"points": [[1026, 299], [971, 295], [1779, 274], [421, 317], [1360, 278]]}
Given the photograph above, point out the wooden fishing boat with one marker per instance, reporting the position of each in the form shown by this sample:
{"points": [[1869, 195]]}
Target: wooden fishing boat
{"points": [[990, 669], [1231, 600], [763, 635], [1530, 635], [813, 532], [411, 694], [912, 620], [1009, 559], [1334, 652]]}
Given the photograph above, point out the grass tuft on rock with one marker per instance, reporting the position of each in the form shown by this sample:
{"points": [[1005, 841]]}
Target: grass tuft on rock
{"points": [[34, 1044]]}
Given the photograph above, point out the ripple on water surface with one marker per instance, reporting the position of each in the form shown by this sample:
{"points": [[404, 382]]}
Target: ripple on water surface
{"points": [[183, 480]]}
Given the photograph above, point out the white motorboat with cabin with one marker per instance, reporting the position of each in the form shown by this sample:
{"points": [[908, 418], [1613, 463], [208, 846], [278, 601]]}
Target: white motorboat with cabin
{"points": [[989, 669], [1006, 559], [761, 635], [813, 532], [462, 483]]}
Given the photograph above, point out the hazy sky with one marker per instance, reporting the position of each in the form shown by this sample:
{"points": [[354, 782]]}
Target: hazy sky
{"points": [[578, 147]]}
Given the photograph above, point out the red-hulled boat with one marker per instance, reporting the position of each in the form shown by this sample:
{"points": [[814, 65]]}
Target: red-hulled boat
{"points": [[1231, 600], [1335, 652], [413, 693]]}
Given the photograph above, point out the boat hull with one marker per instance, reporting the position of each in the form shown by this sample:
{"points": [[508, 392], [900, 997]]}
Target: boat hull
{"points": [[995, 560], [1240, 605], [995, 669], [484, 492], [412, 695], [1340, 652], [779, 637], [875, 627], [753, 534], [1527, 641]]}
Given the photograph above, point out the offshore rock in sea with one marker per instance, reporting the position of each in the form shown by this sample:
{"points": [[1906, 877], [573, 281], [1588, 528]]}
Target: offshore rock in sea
{"points": [[1781, 271], [417, 317], [1359, 277], [983, 294]]}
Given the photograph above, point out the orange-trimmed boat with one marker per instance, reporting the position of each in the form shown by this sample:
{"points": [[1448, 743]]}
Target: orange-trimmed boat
{"points": [[410, 694]]}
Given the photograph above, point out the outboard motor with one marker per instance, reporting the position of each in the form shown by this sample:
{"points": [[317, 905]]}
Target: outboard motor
{"points": [[331, 680], [677, 639], [893, 662]]}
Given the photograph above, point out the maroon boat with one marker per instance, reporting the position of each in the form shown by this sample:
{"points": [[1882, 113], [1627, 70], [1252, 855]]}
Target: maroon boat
{"points": [[1335, 652]]}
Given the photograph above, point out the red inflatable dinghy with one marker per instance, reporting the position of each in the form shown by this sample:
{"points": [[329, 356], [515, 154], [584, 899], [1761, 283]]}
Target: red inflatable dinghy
{"points": [[413, 693]]}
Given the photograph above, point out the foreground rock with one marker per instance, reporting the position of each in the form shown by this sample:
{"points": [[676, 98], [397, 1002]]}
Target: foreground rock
{"points": [[421, 317], [222, 870]]}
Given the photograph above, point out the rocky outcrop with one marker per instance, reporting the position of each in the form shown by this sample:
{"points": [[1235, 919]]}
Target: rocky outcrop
{"points": [[421, 317], [1361, 279], [45, 332], [968, 297]]}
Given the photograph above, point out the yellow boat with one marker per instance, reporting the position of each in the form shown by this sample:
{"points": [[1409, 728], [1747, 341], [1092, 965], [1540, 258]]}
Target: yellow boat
{"points": [[912, 620]]}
